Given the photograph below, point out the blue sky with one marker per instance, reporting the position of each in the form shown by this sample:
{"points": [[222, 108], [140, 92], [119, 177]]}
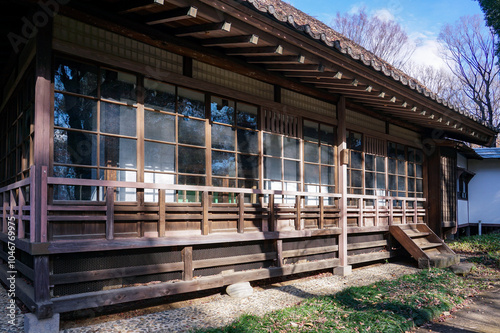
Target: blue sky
{"points": [[422, 19]]}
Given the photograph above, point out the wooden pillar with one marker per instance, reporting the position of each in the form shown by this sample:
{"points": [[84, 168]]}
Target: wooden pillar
{"points": [[241, 213], [187, 258], [41, 161], [298, 211], [110, 212], [205, 228], [344, 268], [278, 244], [161, 213]]}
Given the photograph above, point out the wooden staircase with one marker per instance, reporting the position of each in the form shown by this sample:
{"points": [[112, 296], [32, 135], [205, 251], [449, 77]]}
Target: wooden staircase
{"points": [[424, 245]]}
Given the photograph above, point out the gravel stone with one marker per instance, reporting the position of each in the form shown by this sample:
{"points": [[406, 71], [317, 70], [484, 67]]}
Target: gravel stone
{"points": [[221, 310]]}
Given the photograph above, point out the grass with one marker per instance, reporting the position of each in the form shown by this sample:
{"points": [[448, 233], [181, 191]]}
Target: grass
{"points": [[387, 306]]}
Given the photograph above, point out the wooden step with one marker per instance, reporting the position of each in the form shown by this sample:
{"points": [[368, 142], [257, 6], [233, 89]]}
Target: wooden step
{"points": [[416, 233], [430, 246]]}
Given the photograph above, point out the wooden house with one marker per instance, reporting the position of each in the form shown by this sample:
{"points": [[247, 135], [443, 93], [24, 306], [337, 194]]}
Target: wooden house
{"points": [[152, 147]]}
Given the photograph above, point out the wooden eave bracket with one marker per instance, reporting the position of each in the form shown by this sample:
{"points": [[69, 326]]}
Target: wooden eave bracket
{"points": [[245, 39], [254, 51], [203, 28], [127, 6], [171, 15]]}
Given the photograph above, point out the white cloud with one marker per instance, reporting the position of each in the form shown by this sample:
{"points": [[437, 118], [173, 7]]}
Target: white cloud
{"points": [[427, 53], [384, 14]]}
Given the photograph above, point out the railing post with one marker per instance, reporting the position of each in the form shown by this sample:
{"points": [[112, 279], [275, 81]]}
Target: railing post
{"points": [[187, 258], [391, 211], [20, 223], [43, 205], [279, 252], [110, 212], [32, 204], [205, 228], [415, 213], [361, 203], [161, 213], [404, 212], [241, 213], [298, 211], [272, 219], [4, 211]]}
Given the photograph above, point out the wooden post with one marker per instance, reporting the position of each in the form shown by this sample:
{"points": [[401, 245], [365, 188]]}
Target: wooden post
{"points": [[272, 219], [41, 287], [375, 204], [344, 268], [391, 211], [321, 224], [403, 219], [241, 213], [20, 222], [161, 213], [187, 258], [33, 211], [42, 131], [205, 228], [279, 252], [298, 211], [4, 211], [361, 203], [110, 212]]}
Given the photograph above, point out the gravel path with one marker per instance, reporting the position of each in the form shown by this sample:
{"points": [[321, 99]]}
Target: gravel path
{"points": [[222, 309]]}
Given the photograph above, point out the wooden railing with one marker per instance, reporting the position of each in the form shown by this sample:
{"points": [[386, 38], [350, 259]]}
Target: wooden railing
{"points": [[15, 206], [270, 210]]}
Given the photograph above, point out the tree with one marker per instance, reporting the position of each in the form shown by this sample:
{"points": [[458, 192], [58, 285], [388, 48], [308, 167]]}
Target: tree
{"points": [[469, 51], [385, 38], [491, 9]]}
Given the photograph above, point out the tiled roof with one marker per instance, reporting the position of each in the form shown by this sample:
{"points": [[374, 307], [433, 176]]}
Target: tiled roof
{"points": [[488, 153], [317, 30]]}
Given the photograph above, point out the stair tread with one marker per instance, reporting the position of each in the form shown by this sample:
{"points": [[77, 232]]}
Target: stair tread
{"points": [[413, 233], [429, 245]]}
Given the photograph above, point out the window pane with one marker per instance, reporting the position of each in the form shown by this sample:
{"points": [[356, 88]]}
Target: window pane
{"points": [[222, 137], [327, 134], [356, 178], [292, 170], [191, 131], [291, 147], [272, 168], [223, 182], [75, 147], [356, 161], [122, 193], [248, 141], [191, 180], [118, 119], [419, 157], [248, 166], [411, 184], [191, 160], [159, 156], [158, 178], [223, 164], [392, 166], [392, 182], [354, 141], [401, 167], [222, 110], [401, 152], [411, 154], [327, 155], [311, 152], [419, 185], [118, 86], [411, 170], [418, 170], [159, 95], [75, 112], [311, 130], [272, 145], [311, 174], [380, 161], [118, 152], [327, 175], [369, 162], [191, 103], [70, 192], [159, 126], [75, 172], [369, 180], [380, 181], [247, 115], [75, 77], [401, 183]]}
